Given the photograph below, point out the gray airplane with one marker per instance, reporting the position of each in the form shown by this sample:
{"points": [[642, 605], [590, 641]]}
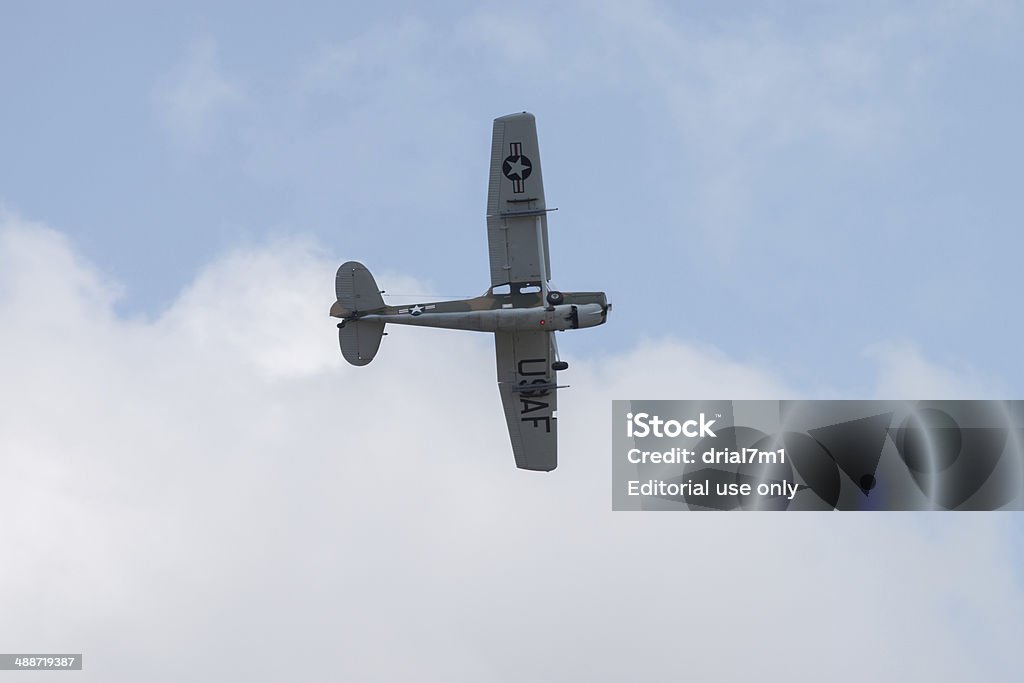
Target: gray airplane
{"points": [[520, 308]]}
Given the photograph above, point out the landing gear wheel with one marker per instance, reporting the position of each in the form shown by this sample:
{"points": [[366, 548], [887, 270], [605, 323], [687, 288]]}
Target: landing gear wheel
{"points": [[559, 365], [555, 298]]}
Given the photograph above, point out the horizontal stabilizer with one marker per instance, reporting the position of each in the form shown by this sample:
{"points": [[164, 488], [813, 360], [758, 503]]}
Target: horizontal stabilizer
{"points": [[360, 340]]}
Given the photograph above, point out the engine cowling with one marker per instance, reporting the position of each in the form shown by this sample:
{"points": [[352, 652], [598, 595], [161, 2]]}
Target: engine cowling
{"points": [[588, 315]]}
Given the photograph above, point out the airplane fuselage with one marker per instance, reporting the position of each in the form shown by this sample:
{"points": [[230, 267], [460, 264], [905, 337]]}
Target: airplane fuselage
{"points": [[494, 313]]}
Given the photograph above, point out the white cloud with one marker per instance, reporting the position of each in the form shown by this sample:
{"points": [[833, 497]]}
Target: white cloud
{"points": [[193, 98], [215, 494], [905, 373]]}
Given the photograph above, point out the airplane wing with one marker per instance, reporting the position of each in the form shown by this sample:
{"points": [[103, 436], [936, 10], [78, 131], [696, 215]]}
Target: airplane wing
{"points": [[524, 361], [517, 225]]}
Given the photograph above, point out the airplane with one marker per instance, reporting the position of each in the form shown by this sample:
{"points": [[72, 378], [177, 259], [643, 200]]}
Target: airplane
{"points": [[520, 307]]}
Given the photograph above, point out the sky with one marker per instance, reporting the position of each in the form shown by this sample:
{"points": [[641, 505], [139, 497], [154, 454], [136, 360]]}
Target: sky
{"points": [[782, 200]]}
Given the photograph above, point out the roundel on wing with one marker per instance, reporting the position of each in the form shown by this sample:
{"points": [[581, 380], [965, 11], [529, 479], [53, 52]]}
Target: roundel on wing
{"points": [[517, 167]]}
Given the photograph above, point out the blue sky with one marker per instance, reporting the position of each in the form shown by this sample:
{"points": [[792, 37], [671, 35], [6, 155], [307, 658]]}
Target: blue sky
{"points": [[781, 199], [789, 183]]}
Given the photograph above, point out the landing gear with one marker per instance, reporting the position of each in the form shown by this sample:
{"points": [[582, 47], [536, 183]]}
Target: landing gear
{"points": [[555, 298], [559, 365]]}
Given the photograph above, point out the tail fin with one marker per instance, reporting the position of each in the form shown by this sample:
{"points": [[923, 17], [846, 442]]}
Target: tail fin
{"points": [[357, 292]]}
